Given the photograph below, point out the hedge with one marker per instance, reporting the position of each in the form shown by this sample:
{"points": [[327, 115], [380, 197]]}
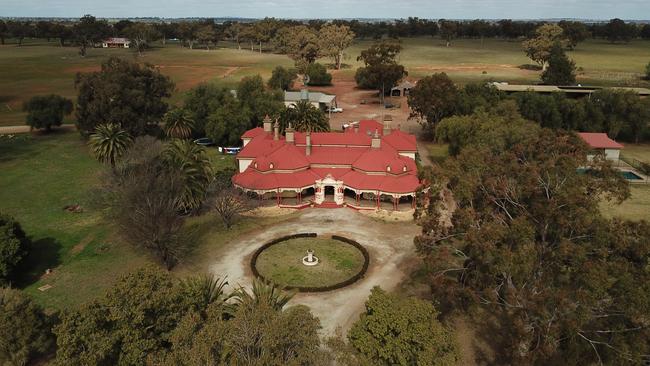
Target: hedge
{"points": [[348, 282]]}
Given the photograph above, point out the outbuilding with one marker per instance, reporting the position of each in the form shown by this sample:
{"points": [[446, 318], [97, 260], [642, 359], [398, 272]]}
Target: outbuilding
{"points": [[115, 42], [601, 144]]}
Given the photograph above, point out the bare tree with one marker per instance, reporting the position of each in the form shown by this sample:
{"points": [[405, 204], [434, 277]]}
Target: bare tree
{"points": [[230, 202]]}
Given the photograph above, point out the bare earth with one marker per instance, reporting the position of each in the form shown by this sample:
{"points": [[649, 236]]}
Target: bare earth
{"points": [[391, 253]]}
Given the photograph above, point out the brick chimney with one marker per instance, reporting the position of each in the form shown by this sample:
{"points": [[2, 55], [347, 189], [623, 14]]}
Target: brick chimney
{"points": [[289, 134], [276, 131], [375, 143], [267, 124], [308, 143], [388, 121]]}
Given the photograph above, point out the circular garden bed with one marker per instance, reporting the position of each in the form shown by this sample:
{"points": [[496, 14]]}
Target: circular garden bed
{"points": [[341, 262]]}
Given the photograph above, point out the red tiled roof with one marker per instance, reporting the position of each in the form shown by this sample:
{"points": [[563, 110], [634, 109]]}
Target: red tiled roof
{"points": [[599, 140], [345, 156], [252, 133]]}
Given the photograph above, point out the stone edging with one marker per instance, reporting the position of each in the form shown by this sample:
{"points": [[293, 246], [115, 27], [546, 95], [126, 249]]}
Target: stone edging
{"points": [[348, 282]]}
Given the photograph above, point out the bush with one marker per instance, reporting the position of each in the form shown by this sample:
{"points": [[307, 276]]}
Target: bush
{"points": [[318, 75], [13, 247], [45, 111], [282, 78], [24, 329]]}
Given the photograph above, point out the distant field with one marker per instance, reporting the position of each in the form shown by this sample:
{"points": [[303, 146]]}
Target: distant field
{"points": [[39, 67], [636, 208]]}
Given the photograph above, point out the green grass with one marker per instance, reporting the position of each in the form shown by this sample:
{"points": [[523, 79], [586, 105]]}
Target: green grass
{"points": [[636, 208], [437, 152], [639, 152], [282, 263], [42, 174], [39, 67]]}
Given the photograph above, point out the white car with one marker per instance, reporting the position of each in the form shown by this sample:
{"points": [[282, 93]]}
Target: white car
{"points": [[336, 110]]}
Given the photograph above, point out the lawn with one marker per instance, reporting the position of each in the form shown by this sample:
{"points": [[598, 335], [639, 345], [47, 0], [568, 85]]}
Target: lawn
{"points": [[639, 152], [282, 262], [40, 67], [42, 174], [636, 208]]}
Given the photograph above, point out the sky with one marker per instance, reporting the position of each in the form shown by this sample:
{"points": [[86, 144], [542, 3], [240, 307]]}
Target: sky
{"points": [[434, 9]]}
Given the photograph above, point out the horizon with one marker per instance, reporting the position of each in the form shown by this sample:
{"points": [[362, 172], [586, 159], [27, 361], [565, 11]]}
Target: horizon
{"points": [[632, 10]]}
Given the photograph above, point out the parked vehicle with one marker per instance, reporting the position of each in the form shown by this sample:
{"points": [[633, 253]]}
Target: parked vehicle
{"points": [[204, 141]]}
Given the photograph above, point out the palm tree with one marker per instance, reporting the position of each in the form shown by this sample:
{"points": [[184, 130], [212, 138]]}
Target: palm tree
{"points": [[206, 290], [178, 124], [266, 293], [195, 169], [109, 143], [305, 117]]}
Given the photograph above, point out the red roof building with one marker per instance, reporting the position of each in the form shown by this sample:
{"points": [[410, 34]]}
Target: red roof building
{"points": [[369, 160], [601, 144]]}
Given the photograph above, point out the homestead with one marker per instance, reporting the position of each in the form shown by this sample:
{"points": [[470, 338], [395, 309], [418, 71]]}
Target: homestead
{"points": [[359, 168], [115, 42]]}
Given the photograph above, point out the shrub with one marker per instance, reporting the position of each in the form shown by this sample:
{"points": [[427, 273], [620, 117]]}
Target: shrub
{"points": [[45, 111], [318, 75], [282, 78], [24, 329], [13, 247]]}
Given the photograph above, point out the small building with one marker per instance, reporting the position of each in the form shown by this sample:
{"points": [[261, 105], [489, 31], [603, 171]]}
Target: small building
{"points": [[601, 144], [114, 42], [322, 101], [365, 167], [402, 90]]}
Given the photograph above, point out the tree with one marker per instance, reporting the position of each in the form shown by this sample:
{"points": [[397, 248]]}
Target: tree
{"points": [[528, 243], [62, 32], [178, 123], [561, 70], [145, 196], [25, 330], [396, 330], [202, 101], [19, 30], [433, 98], [133, 319], [255, 98], [575, 32], [448, 30], [14, 246], [125, 93], [235, 31], [194, 168], [207, 35], [619, 31], [282, 78], [619, 112], [264, 30], [89, 31], [4, 31], [303, 116], [227, 123], [45, 111], [381, 70], [228, 201], [300, 43], [187, 31], [334, 40], [318, 75], [539, 48], [141, 35], [109, 143]]}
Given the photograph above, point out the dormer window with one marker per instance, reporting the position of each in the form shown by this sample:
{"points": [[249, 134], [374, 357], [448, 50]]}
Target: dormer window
{"points": [[404, 168], [255, 165], [271, 166], [388, 168]]}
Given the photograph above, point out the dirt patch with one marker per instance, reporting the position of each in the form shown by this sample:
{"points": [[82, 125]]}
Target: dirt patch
{"points": [[390, 246], [79, 247], [269, 211], [389, 215]]}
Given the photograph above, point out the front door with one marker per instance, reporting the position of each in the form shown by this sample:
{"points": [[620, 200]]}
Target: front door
{"points": [[329, 193]]}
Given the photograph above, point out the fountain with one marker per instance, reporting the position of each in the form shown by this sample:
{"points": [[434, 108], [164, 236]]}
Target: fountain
{"points": [[310, 259]]}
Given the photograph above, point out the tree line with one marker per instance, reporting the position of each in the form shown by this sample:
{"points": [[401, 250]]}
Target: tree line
{"points": [[207, 31]]}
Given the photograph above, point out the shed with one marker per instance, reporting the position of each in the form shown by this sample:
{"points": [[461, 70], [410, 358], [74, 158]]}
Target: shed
{"points": [[600, 143]]}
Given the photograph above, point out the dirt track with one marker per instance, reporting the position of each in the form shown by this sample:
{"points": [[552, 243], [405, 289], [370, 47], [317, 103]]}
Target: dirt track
{"points": [[390, 246]]}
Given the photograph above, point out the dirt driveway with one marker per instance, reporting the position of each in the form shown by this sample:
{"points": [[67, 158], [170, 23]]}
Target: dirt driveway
{"points": [[391, 252]]}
